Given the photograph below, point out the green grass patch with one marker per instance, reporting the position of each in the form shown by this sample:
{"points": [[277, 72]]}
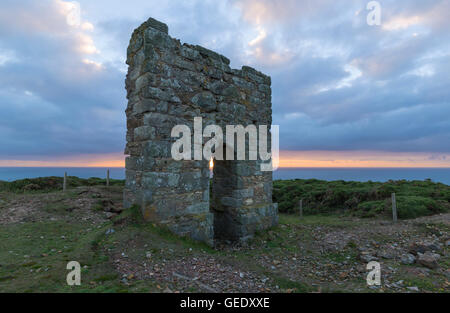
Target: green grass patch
{"points": [[34, 256], [332, 220], [296, 286]]}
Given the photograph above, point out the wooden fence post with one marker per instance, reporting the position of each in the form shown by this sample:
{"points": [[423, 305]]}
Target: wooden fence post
{"points": [[107, 178], [394, 208], [65, 182]]}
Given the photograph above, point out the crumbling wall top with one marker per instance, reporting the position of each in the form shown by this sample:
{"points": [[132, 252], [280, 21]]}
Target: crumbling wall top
{"points": [[246, 71]]}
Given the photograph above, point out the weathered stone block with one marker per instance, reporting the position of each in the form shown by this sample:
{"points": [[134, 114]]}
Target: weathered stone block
{"points": [[206, 101], [213, 55], [158, 39], [144, 133], [160, 180], [151, 22], [189, 53], [157, 149]]}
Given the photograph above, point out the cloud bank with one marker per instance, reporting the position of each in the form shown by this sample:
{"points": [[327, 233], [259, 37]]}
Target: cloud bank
{"points": [[338, 84]]}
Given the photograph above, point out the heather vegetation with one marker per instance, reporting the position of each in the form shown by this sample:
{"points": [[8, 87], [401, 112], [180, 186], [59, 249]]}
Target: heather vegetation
{"points": [[362, 199], [48, 184]]}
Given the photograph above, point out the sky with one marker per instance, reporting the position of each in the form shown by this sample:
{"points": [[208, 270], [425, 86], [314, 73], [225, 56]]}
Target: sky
{"points": [[345, 94]]}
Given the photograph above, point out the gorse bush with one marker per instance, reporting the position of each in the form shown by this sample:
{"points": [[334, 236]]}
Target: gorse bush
{"points": [[372, 208], [364, 199], [412, 206]]}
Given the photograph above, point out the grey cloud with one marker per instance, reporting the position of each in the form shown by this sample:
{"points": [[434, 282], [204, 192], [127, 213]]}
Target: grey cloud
{"points": [[76, 109]]}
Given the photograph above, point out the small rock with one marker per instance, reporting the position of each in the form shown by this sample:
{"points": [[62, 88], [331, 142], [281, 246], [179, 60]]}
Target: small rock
{"points": [[408, 259], [428, 259], [413, 289], [148, 255], [417, 271], [447, 273], [422, 247], [343, 275], [395, 285], [385, 255], [116, 210], [110, 231], [367, 258]]}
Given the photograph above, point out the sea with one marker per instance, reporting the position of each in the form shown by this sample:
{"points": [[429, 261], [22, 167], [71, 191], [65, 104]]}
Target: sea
{"points": [[441, 175]]}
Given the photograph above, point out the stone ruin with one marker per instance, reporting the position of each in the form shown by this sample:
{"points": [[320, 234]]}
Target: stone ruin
{"points": [[168, 84]]}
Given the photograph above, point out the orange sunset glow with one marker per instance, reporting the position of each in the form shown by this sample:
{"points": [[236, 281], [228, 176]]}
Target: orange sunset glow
{"points": [[288, 159], [359, 159]]}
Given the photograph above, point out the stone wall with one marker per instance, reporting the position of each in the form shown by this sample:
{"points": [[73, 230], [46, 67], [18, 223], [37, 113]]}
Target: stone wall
{"points": [[168, 84]]}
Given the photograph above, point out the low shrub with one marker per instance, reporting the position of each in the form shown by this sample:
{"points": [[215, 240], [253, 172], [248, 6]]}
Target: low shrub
{"points": [[47, 184], [364, 199]]}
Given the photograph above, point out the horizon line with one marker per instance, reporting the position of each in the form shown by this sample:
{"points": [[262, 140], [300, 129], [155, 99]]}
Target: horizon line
{"points": [[280, 167]]}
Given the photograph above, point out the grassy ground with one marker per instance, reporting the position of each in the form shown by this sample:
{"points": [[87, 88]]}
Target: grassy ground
{"points": [[40, 232]]}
